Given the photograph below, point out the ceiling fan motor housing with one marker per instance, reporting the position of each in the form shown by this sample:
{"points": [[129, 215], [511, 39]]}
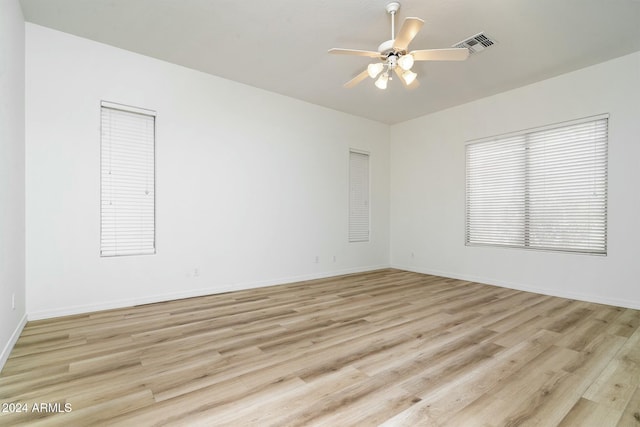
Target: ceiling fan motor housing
{"points": [[386, 47]]}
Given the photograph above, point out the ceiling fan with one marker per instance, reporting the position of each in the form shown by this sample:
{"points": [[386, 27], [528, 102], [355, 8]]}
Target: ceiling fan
{"points": [[394, 56]]}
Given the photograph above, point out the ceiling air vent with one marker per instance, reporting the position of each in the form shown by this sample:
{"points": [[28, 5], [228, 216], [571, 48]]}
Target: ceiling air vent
{"points": [[477, 43]]}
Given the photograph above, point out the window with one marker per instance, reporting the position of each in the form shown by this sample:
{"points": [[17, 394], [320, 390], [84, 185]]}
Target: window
{"points": [[358, 196], [540, 189], [127, 184]]}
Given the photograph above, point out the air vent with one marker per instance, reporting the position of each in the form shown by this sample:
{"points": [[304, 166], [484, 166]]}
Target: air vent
{"points": [[477, 43]]}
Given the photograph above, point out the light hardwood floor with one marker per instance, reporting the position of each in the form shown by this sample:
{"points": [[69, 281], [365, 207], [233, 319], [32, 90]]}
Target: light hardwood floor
{"points": [[389, 348]]}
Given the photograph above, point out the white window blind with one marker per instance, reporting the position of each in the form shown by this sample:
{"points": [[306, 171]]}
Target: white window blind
{"points": [[127, 180], [543, 188], [358, 197]]}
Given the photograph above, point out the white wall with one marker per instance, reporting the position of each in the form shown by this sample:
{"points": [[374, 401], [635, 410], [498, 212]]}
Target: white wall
{"points": [[12, 284], [427, 187], [251, 186]]}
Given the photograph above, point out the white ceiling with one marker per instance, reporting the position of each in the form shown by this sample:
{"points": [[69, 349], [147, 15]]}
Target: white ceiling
{"points": [[281, 45]]}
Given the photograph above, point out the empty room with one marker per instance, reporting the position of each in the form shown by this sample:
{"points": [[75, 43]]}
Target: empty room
{"points": [[319, 213]]}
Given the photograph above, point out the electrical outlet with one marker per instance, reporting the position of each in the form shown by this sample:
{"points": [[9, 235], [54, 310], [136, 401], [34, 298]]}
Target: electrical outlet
{"points": [[13, 301], [334, 258], [196, 272], [317, 259]]}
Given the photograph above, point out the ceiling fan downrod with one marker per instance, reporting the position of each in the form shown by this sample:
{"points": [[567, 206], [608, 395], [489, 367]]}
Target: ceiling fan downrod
{"points": [[392, 8]]}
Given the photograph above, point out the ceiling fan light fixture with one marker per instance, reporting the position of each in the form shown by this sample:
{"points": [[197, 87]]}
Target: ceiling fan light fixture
{"points": [[406, 62], [375, 69], [409, 76], [396, 57], [381, 83]]}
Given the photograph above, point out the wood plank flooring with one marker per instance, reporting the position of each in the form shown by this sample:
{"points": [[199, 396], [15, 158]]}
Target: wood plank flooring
{"points": [[389, 348]]}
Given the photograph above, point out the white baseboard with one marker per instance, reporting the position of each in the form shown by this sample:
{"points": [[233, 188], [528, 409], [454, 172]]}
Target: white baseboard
{"points": [[522, 287], [6, 351], [149, 299]]}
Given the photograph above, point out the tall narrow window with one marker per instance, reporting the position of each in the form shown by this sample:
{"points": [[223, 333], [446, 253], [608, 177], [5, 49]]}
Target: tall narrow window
{"points": [[543, 188], [358, 196], [127, 185]]}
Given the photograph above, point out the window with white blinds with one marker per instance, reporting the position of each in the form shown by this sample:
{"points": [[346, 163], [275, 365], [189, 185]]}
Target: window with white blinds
{"points": [[543, 188], [127, 185], [358, 196]]}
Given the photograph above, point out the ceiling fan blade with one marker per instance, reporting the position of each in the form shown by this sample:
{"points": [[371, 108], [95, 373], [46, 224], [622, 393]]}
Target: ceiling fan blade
{"points": [[357, 79], [369, 53], [453, 54], [414, 84], [410, 28]]}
